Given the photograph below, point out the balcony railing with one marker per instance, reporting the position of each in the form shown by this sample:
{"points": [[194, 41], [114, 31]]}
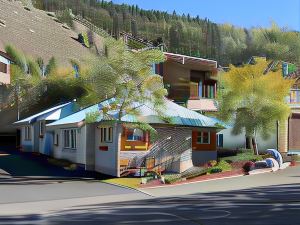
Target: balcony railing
{"points": [[294, 97]]}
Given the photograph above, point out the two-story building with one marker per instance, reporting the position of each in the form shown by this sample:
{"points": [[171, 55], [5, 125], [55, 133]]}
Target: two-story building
{"points": [[288, 140], [191, 81], [5, 62]]}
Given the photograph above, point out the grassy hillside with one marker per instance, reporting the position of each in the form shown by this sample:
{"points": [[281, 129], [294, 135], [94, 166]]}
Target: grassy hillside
{"points": [[183, 33], [38, 33]]}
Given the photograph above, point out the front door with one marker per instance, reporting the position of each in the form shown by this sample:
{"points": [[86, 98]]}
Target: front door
{"points": [[294, 132]]}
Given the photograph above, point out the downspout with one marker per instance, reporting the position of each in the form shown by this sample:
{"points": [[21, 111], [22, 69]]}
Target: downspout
{"points": [[277, 132], [118, 147]]}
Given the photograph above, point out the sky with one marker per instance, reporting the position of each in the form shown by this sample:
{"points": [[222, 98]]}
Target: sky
{"points": [[243, 13]]}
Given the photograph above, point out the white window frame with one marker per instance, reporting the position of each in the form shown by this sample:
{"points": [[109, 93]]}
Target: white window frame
{"points": [[56, 139], [27, 133], [106, 134], [70, 138], [42, 127], [201, 134]]}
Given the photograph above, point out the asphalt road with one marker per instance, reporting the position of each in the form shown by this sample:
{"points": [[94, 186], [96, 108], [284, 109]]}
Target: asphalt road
{"points": [[272, 198], [276, 205]]}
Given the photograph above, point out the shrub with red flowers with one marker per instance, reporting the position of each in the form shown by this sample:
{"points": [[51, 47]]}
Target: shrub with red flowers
{"points": [[248, 166]]}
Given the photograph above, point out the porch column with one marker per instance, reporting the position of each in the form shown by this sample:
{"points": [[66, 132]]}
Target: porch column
{"points": [[283, 136]]}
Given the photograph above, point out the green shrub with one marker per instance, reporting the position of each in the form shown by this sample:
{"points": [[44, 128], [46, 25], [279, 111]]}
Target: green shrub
{"points": [[172, 178], [215, 169], [225, 166]]}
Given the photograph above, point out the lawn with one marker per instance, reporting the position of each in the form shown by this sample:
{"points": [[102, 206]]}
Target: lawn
{"points": [[244, 156], [128, 182]]}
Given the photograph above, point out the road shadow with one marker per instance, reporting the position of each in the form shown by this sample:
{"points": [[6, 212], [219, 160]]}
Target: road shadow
{"points": [[25, 166], [276, 205]]}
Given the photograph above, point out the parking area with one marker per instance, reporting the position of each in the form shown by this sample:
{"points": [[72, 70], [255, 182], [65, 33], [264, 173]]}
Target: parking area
{"points": [[22, 164]]}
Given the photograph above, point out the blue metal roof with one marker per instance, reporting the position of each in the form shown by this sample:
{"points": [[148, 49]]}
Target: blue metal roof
{"points": [[80, 115], [179, 115], [47, 112]]}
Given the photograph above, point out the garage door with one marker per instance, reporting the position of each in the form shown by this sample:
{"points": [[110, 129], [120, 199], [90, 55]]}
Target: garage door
{"points": [[294, 132]]}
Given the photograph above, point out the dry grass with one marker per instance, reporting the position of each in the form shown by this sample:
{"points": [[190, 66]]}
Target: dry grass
{"points": [[48, 38], [128, 182]]}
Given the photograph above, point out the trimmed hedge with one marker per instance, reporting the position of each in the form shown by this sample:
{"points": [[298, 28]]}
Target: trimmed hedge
{"points": [[245, 156]]}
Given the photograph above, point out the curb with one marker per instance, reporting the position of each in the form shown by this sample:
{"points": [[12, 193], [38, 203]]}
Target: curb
{"points": [[201, 181], [193, 182]]}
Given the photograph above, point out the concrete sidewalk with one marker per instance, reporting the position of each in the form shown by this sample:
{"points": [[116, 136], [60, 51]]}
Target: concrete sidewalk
{"points": [[290, 175]]}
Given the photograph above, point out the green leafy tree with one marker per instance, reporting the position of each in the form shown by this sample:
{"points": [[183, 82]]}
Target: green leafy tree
{"points": [[31, 90], [126, 76], [25, 78], [254, 101]]}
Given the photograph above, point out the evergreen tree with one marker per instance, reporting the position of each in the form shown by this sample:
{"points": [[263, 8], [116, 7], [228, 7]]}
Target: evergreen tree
{"points": [[116, 27], [134, 29]]}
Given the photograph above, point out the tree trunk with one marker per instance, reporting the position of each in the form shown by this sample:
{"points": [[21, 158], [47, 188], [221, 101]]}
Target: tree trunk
{"points": [[248, 143], [254, 145]]}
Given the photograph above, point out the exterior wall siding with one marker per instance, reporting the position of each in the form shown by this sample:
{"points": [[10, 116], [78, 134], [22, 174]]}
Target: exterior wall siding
{"points": [[90, 147], [232, 142], [27, 145], [107, 154], [212, 146], [74, 155], [179, 78], [5, 77]]}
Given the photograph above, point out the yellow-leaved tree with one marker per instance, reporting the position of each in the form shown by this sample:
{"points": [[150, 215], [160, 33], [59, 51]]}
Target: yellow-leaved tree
{"points": [[253, 100]]}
